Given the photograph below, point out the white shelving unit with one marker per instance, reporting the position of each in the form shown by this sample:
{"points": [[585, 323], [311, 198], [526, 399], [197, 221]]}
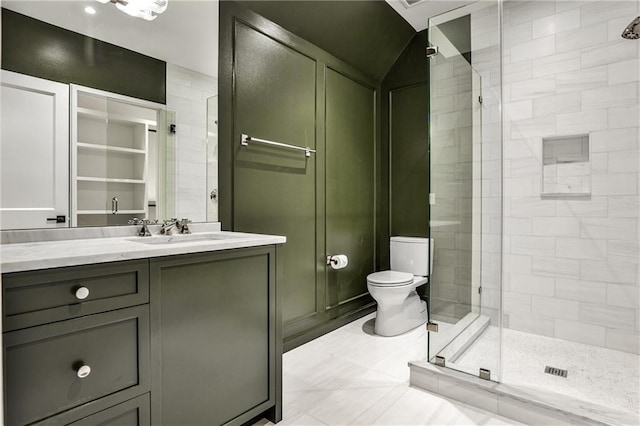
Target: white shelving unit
{"points": [[109, 156]]}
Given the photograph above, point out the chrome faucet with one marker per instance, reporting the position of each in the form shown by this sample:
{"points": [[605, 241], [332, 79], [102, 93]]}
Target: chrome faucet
{"points": [[182, 226], [168, 225]]}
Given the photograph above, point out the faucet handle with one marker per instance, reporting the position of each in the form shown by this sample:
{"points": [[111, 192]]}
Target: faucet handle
{"points": [[144, 231], [184, 225]]}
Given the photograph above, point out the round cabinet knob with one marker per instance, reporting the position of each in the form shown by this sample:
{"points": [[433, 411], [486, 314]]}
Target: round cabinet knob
{"points": [[83, 371], [82, 293]]}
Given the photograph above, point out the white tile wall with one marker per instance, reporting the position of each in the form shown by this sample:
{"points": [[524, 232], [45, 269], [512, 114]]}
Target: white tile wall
{"points": [[187, 94], [555, 308], [556, 104], [572, 265], [557, 23], [609, 271], [577, 332], [624, 72], [555, 267], [556, 64], [581, 248], [580, 290]]}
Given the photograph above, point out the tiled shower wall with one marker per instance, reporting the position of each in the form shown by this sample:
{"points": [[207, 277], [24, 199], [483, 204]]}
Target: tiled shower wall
{"points": [[571, 264], [485, 57], [187, 94], [451, 217], [466, 166]]}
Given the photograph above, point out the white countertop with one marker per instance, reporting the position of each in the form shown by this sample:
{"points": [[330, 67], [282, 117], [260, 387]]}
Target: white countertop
{"points": [[28, 256]]}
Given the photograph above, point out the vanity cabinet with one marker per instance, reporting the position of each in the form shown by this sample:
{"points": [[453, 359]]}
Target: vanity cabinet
{"points": [[214, 334], [75, 341], [185, 339]]}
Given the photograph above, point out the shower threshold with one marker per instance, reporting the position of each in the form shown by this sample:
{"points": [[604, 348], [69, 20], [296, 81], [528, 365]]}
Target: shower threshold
{"points": [[524, 405]]}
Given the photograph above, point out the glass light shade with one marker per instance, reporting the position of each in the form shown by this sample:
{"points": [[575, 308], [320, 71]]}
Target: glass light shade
{"points": [[131, 10], [144, 9], [155, 6]]}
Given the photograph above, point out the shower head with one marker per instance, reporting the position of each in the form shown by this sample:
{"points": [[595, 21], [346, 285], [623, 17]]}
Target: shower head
{"points": [[632, 32]]}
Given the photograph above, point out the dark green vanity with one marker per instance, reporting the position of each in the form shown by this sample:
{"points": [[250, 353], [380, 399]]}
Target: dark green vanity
{"points": [[181, 339]]}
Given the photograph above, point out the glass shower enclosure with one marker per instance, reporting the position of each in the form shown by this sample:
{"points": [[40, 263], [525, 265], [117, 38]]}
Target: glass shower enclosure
{"points": [[535, 202], [464, 219]]}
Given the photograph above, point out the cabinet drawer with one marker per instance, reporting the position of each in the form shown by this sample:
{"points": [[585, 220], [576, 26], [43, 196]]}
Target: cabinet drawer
{"points": [[42, 364], [39, 297], [135, 412]]}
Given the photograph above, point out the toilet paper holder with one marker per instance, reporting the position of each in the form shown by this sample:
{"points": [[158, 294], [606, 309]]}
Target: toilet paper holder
{"points": [[335, 262]]}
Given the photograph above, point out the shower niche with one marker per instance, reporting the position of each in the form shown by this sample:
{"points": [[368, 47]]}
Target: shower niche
{"points": [[566, 166]]}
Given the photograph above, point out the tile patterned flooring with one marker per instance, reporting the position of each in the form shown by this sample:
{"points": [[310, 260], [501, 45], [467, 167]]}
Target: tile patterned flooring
{"points": [[596, 375], [352, 377]]}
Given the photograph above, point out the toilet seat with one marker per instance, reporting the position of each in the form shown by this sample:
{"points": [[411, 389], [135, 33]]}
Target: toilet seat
{"points": [[390, 279]]}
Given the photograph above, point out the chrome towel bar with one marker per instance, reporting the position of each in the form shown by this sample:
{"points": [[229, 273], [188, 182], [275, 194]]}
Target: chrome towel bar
{"points": [[245, 139]]}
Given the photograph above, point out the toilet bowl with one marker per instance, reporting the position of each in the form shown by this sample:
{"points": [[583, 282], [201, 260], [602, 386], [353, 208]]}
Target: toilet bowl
{"points": [[400, 309]]}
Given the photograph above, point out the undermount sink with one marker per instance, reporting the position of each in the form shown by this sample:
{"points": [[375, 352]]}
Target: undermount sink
{"points": [[183, 238]]}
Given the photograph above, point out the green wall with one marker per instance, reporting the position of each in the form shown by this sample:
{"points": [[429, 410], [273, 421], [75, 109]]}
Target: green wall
{"points": [[277, 86], [406, 97], [406, 137], [39, 49], [274, 189]]}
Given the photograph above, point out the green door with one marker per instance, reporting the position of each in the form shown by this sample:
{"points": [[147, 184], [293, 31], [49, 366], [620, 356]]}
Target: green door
{"points": [[350, 184], [274, 187]]}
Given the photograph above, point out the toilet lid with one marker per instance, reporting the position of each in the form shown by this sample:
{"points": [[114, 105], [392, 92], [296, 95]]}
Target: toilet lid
{"points": [[390, 278]]}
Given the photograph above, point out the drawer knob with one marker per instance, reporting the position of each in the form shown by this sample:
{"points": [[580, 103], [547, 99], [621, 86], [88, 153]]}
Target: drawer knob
{"points": [[83, 371], [82, 293]]}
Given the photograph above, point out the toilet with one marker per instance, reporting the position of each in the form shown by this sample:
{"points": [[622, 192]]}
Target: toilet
{"points": [[400, 309]]}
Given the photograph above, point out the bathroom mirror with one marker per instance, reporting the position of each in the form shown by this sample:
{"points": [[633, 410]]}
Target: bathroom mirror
{"points": [[187, 166]]}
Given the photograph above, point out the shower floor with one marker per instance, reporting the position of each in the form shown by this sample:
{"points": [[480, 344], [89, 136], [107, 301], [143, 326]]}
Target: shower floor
{"points": [[600, 376]]}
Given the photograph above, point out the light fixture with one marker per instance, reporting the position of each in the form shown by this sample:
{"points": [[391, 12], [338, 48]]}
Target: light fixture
{"points": [[144, 9], [89, 10]]}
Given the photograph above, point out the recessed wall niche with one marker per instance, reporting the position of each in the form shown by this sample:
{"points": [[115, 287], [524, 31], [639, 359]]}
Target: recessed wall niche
{"points": [[566, 166]]}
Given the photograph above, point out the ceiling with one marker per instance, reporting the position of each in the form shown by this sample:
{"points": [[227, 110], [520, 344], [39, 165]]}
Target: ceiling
{"points": [[186, 34], [418, 13]]}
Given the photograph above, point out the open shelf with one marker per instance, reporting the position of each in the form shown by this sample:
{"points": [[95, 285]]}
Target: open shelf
{"points": [[111, 148], [109, 180], [110, 152], [88, 212], [112, 116]]}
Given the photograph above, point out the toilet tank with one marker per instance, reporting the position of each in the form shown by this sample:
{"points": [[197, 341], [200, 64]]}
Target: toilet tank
{"points": [[411, 254]]}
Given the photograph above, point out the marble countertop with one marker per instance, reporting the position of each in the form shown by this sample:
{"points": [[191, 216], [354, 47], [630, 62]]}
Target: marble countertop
{"points": [[34, 255]]}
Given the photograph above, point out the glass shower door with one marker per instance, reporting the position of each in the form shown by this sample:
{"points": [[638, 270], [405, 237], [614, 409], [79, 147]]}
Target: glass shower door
{"points": [[456, 206]]}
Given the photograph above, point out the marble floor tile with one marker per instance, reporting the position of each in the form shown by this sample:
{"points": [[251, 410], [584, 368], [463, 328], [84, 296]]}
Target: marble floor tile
{"points": [[353, 377]]}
